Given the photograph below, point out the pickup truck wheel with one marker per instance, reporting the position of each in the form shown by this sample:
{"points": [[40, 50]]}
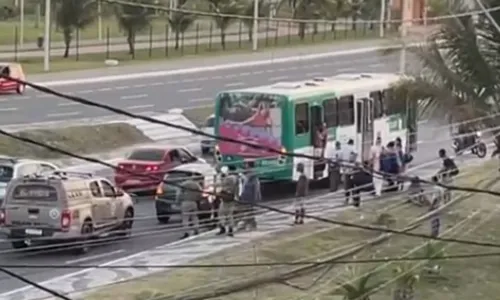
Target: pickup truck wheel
{"points": [[163, 219], [86, 231], [20, 89], [128, 222], [19, 245]]}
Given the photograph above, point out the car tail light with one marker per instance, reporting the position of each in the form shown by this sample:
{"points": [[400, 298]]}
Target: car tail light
{"points": [[3, 216], [65, 220], [152, 168]]}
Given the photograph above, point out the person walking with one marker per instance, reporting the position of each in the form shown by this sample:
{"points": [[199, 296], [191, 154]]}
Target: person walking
{"points": [[250, 195], [448, 170], [401, 155], [334, 167], [301, 192], [189, 197], [437, 198], [375, 155], [229, 193], [391, 165]]}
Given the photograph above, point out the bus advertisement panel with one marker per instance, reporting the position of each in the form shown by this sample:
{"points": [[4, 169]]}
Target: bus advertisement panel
{"points": [[249, 118]]}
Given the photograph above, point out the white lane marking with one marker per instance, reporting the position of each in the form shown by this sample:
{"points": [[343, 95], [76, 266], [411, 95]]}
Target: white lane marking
{"points": [[18, 98], [345, 69], [128, 97], [201, 99], [375, 65], [68, 104], [173, 82], [234, 84], [189, 90], [104, 89], [140, 106], [6, 99], [44, 96], [211, 68], [92, 257], [157, 83], [8, 109], [122, 87], [277, 78], [86, 91], [67, 114]]}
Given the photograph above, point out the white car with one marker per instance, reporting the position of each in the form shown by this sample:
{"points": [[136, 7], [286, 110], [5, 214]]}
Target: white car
{"points": [[207, 144], [12, 167]]}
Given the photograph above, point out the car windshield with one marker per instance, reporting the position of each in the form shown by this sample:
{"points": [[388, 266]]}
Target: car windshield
{"points": [[6, 173], [147, 155]]}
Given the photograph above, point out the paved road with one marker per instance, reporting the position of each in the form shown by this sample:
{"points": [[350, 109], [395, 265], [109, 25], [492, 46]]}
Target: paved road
{"points": [[190, 90]]}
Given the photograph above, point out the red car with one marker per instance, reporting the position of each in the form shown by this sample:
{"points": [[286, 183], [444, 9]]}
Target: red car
{"points": [[13, 70], [149, 162]]}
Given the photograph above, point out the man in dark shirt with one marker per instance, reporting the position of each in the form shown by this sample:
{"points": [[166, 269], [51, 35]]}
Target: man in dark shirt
{"points": [[301, 192]]}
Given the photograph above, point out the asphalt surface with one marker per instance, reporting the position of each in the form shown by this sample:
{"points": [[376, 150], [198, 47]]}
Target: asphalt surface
{"points": [[190, 90], [161, 94]]}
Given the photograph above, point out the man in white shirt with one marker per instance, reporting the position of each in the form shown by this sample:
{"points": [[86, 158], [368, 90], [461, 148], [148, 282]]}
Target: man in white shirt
{"points": [[335, 156], [375, 153], [349, 156]]}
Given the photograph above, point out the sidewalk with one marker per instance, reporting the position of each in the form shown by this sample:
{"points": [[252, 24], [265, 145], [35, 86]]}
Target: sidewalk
{"points": [[184, 251], [202, 41]]}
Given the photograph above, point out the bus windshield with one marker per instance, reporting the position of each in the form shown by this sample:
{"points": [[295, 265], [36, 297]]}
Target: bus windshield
{"points": [[252, 118]]}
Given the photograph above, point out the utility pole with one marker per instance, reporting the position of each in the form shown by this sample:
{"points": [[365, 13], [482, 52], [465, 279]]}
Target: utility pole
{"points": [[404, 30], [99, 20], [382, 18], [21, 30], [46, 44], [171, 5], [255, 27]]}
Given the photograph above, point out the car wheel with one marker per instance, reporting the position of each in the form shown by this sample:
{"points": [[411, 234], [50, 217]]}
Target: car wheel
{"points": [[163, 219], [20, 89], [19, 245], [205, 150], [86, 231], [128, 222]]}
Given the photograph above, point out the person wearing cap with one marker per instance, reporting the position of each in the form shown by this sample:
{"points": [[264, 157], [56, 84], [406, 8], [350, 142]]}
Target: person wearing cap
{"points": [[228, 195], [189, 196]]}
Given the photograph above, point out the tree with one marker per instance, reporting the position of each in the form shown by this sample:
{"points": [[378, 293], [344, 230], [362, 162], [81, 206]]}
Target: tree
{"points": [[223, 8], [309, 10], [74, 15], [358, 287], [460, 69], [406, 277], [133, 19], [248, 11], [180, 21]]}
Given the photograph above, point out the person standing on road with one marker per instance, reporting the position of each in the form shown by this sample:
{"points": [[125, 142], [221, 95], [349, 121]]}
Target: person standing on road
{"points": [[447, 172], [437, 197], [334, 167], [189, 197], [349, 154], [229, 193], [302, 190], [375, 155], [250, 195]]}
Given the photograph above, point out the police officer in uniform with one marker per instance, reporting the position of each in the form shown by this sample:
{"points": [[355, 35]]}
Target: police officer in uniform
{"points": [[189, 197], [229, 193]]}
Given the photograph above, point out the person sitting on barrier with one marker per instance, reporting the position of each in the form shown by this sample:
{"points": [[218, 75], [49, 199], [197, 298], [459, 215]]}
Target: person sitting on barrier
{"points": [[361, 180], [416, 193]]}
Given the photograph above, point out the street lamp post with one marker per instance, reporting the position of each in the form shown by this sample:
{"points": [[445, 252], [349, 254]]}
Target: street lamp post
{"points": [[99, 19], [382, 18], [255, 26], [21, 20], [46, 44]]}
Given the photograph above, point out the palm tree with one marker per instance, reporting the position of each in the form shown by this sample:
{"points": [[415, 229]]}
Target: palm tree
{"points": [[406, 278], [133, 19], [225, 7], [461, 72], [180, 21], [310, 10], [248, 11], [360, 285], [74, 15]]}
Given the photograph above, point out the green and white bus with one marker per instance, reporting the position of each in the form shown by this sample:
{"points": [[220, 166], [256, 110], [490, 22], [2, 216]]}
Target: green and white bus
{"points": [[285, 116]]}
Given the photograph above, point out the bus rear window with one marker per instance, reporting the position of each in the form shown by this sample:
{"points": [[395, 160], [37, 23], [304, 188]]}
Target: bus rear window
{"points": [[35, 192]]}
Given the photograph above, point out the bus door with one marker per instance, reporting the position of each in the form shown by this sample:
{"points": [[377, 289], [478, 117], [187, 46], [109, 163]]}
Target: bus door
{"points": [[316, 120], [364, 126]]}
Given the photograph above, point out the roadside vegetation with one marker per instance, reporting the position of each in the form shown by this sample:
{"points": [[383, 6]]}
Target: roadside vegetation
{"points": [[468, 216], [78, 139]]}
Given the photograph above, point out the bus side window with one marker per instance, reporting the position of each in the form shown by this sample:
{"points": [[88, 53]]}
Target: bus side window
{"points": [[346, 110], [330, 108], [378, 108], [393, 106], [301, 118]]}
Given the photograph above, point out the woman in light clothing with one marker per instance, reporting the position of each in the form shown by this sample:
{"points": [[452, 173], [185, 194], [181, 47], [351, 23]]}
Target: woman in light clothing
{"points": [[375, 153]]}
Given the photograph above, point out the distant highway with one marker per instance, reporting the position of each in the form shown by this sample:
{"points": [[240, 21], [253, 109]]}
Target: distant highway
{"points": [[190, 90]]}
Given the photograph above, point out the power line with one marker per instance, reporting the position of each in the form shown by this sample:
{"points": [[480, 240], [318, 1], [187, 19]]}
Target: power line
{"points": [[36, 285], [269, 264], [321, 219]]}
